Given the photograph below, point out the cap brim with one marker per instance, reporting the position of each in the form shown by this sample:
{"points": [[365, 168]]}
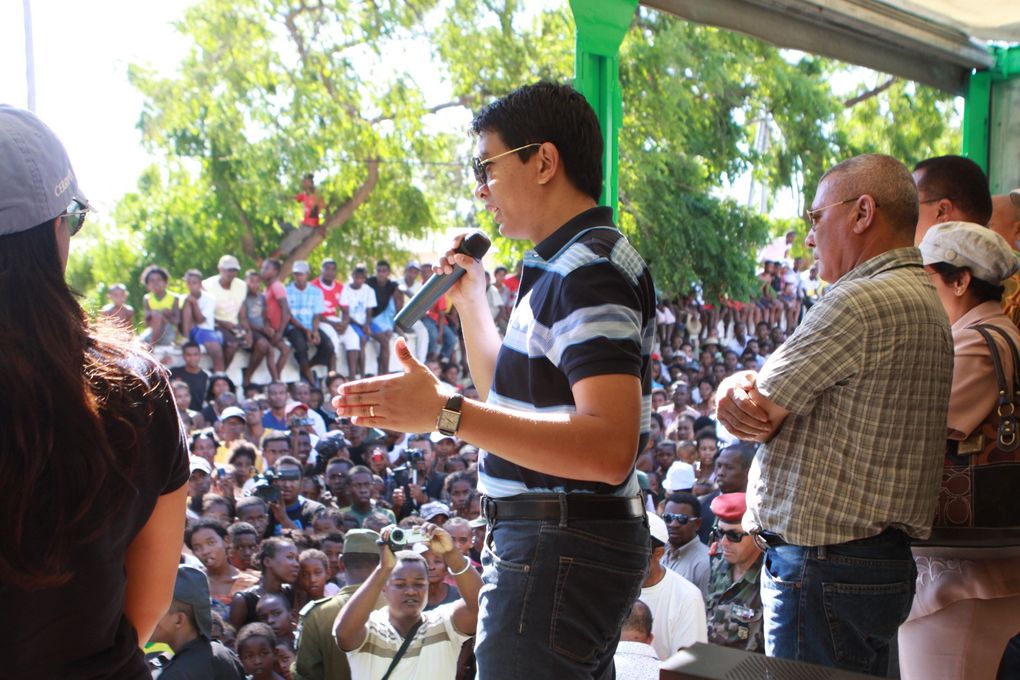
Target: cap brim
{"points": [[1015, 197]]}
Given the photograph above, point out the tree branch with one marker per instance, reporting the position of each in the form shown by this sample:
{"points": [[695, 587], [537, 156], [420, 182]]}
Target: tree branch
{"points": [[854, 101], [460, 101]]}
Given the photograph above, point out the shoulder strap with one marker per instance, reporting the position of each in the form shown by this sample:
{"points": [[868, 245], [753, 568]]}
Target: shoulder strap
{"points": [[1007, 438], [1016, 358], [403, 648]]}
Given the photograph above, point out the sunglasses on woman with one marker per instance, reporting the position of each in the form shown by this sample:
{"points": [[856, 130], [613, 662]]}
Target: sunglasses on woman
{"points": [[75, 215]]}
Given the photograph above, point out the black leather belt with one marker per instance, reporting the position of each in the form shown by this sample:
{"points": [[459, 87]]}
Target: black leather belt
{"points": [[767, 539], [550, 506]]}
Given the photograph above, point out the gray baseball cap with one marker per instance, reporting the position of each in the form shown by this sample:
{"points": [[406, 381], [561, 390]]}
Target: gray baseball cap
{"points": [[192, 587], [36, 179], [963, 244]]}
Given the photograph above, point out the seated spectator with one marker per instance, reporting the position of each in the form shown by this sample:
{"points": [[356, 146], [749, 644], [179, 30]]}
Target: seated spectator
{"points": [[685, 554], [734, 597], [306, 307], [194, 375], [292, 511], [256, 647], [119, 310], [258, 336], [187, 629], [162, 309], [356, 301], [384, 312], [228, 292], [635, 658], [198, 320], [372, 638], [277, 312], [318, 657], [677, 606]]}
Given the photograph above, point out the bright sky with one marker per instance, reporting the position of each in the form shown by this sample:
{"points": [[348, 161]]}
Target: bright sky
{"points": [[82, 51]]}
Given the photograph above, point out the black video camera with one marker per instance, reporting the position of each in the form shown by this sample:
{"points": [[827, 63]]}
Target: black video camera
{"points": [[264, 487]]}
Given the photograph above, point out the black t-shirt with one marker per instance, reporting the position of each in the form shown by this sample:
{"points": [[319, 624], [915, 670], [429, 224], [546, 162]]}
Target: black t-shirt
{"points": [[78, 631], [198, 383], [383, 293]]}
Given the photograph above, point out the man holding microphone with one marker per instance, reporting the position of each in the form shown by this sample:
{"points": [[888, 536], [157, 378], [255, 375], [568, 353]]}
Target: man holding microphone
{"points": [[564, 398]]}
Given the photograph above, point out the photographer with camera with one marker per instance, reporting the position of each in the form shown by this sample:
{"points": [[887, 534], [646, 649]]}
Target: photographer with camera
{"points": [[289, 508], [407, 482], [402, 635]]}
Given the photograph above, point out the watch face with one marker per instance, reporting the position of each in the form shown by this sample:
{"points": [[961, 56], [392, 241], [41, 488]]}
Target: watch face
{"points": [[448, 421]]}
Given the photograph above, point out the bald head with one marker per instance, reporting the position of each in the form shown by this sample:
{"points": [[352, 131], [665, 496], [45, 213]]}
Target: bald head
{"points": [[1005, 219], [638, 625], [883, 178]]}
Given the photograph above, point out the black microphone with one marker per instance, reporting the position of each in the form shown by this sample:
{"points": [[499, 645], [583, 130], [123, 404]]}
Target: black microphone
{"points": [[476, 244]]}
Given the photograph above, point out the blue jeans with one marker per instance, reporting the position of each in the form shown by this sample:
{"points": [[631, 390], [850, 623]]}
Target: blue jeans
{"points": [[449, 338], [555, 596], [839, 605]]}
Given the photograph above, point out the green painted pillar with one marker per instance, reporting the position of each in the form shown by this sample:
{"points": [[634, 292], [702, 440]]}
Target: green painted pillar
{"points": [[991, 120], [601, 25], [976, 112]]}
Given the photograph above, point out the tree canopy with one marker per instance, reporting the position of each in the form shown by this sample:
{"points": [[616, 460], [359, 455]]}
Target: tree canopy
{"points": [[274, 89]]}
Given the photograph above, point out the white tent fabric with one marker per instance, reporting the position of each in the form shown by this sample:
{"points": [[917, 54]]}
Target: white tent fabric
{"points": [[937, 42]]}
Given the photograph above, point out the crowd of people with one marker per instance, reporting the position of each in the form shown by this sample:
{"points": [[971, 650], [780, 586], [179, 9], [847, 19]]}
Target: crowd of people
{"points": [[287, 500], [780, 484]]}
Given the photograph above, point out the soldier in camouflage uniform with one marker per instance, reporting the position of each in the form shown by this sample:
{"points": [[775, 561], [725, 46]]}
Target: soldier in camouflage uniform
{"points": [[734, 597]]}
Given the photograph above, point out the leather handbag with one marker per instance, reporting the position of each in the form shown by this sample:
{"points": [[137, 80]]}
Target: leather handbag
{"points": [[979, 500]]}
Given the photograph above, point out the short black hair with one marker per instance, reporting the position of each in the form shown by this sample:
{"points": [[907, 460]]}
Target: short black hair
{"points": [[290, 460], [984, 291], [555, 113], [382, 263], [746, 451], [962, 181], [241, 529], [686, 498], [201, 524], [190, 345], [242, 448], [251, 630], [154, 269]]}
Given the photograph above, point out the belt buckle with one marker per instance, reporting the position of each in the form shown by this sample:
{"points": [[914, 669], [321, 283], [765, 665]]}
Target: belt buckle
{"points": [[488, 508]]}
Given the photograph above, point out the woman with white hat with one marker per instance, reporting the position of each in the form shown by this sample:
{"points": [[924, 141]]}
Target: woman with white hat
{"points": [[967, 604]]}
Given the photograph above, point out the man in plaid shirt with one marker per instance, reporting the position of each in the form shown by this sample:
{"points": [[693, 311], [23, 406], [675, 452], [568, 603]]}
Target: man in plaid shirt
{"points": [[852, 413]]}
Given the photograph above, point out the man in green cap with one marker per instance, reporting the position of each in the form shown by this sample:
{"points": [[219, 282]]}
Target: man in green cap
{"points": [[318, 656]]}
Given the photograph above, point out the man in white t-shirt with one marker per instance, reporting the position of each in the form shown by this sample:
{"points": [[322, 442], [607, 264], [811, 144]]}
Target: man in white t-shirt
{"points": [[356, 299], [372, 638], [229, 292], [678, 610]]}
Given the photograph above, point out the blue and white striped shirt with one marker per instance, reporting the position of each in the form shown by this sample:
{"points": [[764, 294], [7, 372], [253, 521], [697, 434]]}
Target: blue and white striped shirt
{"points": [[586, 307]]}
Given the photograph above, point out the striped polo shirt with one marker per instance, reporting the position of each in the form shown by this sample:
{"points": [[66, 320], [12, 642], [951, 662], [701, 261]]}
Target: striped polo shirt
{"points": [[586, 307]]}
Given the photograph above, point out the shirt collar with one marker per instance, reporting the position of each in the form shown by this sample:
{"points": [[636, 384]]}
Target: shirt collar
{"points": [[981, 312], [687, 547], [890, 259], [599, 216]]}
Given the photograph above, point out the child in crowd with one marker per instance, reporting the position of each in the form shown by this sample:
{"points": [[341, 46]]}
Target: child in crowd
{"points": [[262, 336], [162, 311], [199, 322], [118, 309], [256, 647]]}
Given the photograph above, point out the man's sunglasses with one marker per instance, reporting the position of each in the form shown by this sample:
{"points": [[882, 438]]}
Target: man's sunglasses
{"points": [[480, 165], [731, 535], [75, 216], [678, 517]]}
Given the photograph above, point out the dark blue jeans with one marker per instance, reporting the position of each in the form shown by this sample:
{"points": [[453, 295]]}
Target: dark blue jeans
{"points": [[555, 596], [839, 605]]}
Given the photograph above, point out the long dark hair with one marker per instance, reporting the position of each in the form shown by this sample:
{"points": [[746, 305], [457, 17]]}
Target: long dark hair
{"points": [[66, 447]]}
